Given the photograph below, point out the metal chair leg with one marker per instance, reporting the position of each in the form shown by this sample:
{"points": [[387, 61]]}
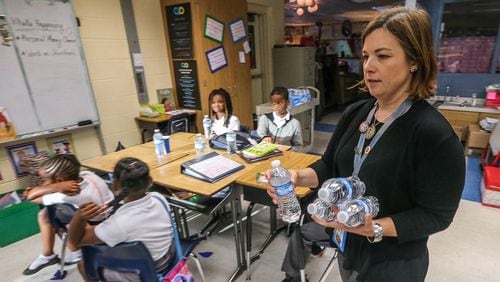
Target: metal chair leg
{"points": [[198, 265], [249, 238], [329, 267]]}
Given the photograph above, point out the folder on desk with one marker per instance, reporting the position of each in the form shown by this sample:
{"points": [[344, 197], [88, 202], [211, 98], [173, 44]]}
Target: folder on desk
{"points": [[211, 167]]}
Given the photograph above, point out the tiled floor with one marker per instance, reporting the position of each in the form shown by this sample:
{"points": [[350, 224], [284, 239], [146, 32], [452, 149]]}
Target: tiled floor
{"points": [[467, 251]]}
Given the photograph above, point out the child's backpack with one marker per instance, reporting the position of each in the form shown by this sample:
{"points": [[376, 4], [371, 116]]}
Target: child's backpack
{"points": [[243, 140]]}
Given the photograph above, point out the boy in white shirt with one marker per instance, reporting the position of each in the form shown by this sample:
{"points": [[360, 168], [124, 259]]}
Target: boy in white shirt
{"points": [[62, 182]]}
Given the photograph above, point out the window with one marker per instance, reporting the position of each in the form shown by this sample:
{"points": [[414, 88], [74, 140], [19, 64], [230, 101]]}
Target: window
{"points": [[468, 36]]}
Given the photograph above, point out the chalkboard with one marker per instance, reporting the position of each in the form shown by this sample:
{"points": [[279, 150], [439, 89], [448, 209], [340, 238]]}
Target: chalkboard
{"points": [[44, 83]]}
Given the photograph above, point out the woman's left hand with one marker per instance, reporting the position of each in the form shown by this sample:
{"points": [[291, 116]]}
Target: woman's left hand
{"points": [[364, 230]]}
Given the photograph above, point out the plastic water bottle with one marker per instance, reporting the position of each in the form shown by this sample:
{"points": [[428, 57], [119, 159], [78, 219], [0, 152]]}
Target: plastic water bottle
{"points": [[288, 205], [231, 142], [321, 209], [352, 213], [337, 190], [199, 144], [207, 126], [159, 145]]}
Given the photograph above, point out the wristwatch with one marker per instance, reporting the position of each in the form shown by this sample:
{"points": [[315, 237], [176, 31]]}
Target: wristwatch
{"points": [[379, 234]]}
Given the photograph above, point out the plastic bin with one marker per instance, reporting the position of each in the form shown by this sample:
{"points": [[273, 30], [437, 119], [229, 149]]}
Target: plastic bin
{"points": [[18, 222], [490, 187]]}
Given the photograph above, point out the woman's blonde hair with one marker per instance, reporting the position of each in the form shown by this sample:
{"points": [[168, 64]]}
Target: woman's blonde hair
{"points": [[412, 29]]}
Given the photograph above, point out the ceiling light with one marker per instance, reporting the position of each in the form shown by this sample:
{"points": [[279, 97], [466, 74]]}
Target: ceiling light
{"points": [[301, 2], [309, 2], [313, 8], [300, 12]]}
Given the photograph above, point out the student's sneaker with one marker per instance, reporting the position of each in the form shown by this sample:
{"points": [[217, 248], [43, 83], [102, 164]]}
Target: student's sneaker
{"points": [[73, 257], [40, 263], [317, 251]]}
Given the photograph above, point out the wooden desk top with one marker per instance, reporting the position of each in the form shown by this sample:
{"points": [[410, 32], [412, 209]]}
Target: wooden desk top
{"points": [[290, 160], [170, 175], [107, 162]]}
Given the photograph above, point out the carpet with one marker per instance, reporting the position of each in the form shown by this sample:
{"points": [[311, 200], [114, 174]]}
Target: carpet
{"points": [[473, 176]]}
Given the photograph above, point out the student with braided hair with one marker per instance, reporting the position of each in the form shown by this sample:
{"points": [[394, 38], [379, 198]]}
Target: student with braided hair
{"points": [[63, 182], [141, 217]]}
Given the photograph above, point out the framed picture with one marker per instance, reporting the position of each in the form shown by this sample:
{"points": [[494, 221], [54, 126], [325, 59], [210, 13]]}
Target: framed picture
{"points": [[19, 151], [214, 29], [216, 58], [62, 144], [238, 30]]}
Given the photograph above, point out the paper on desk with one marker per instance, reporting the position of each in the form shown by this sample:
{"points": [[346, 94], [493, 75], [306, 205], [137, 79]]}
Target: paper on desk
{"points": [[214, 167]]}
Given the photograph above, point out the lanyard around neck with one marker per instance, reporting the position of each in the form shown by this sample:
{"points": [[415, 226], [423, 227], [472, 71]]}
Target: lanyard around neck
{"points": [[360, 154]]}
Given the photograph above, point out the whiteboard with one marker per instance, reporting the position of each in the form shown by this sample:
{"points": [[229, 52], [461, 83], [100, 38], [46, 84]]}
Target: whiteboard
{"points": [[44, 81]]}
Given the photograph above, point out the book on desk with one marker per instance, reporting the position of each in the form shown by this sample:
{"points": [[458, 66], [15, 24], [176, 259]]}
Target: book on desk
{"points": [[211, 167], [259, 152]]}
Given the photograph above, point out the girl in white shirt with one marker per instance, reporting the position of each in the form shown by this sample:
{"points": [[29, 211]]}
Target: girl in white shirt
{"points": [[221, 112]]}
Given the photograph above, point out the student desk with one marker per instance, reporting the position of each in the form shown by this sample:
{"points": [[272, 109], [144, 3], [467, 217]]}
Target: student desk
{"points": [[256, 193], [167, 173], [150, 124]]}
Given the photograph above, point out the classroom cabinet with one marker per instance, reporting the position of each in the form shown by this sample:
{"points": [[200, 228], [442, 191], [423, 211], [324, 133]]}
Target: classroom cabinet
{"points": [[294, 66]]}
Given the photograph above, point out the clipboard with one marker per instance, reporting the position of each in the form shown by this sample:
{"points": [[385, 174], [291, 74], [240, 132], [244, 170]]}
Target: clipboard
{"points": [[211, 167]]}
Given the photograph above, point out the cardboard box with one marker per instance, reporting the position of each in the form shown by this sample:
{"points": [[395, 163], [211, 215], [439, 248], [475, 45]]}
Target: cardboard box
{"points": [[477, 138], [490, 187], [459, 131]]}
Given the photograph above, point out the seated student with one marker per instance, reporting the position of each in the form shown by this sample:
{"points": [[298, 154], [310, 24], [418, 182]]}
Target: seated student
{"points": [[221, 112], [279, 126], [142, 217], [62, 182]]}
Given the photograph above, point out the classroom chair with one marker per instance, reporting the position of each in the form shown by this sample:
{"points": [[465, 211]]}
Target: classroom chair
{"points": [[178, 123], [60, 216]]}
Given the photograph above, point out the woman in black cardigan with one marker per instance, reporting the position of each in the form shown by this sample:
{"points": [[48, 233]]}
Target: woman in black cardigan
{"points": [[413, 161]]}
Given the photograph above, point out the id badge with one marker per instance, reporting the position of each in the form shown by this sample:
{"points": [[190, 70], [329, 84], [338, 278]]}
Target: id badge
{"points": [[339, 237]]}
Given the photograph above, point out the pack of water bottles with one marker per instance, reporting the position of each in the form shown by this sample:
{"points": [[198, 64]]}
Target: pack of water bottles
{"points": [[299, 96], [347, 195]]}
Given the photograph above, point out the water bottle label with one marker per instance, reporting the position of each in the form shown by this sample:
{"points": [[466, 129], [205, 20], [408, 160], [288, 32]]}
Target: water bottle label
{"points": [[284, 189], [348, 188]]}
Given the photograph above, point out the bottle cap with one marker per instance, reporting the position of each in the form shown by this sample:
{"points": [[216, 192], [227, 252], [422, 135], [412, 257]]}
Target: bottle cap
{"points": [[157, 130], [198, 134], [323, 194], [275, 163], [312, 208], [205, 116], [342, 216], [165, 137]]}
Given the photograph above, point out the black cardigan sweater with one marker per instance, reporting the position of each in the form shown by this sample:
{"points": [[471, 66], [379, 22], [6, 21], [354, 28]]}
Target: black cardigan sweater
{"points": [[416, 170]]}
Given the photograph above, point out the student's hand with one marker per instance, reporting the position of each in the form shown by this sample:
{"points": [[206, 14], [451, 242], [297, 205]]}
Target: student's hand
{"points": [[270, 189], [267, 139], [363, 230], [89, 210], [69, 188]]}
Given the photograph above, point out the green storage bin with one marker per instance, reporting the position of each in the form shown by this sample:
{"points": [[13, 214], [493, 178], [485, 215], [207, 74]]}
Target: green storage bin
{"points": [[18, 222]]}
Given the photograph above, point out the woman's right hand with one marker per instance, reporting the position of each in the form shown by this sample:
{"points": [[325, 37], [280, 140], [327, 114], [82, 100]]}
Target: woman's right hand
{"points": [[270, 189]]}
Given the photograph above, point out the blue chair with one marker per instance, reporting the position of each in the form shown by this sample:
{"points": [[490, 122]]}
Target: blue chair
{"points": [[60, 216], [178, 123]]}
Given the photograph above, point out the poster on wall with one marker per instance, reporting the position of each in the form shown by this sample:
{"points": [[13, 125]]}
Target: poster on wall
{"points": [[238, 31], [216, 59], [186, 83], [19, 151], [180, 33], [62, 144], [214, 29]]}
